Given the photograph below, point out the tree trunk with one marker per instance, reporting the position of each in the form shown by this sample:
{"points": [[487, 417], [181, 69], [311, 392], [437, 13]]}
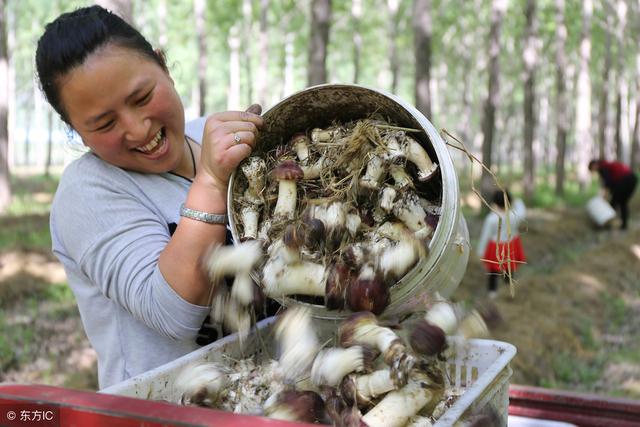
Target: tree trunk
{"points": [[356, 16], [562, 117], [498, 9], [27, 140], [584, 141], [604, 95], [163, 38], [289, 66], [122, 8], [5, 186], [247, 47], [465, 126], [510, 152], [394, 64], [10, 22], [621, 87], [47, 160], [530, 58], [262, 82], [233, 98], [318, 42], [635, 140], [200, 10], [542, 143], [422, 30], [618, 130]]}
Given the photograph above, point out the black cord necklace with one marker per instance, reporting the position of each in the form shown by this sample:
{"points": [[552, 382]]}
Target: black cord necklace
{"points": [[193, 162]]}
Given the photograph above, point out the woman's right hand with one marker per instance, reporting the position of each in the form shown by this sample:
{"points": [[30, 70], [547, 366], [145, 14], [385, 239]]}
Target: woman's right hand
{"points": [[229, 137]]}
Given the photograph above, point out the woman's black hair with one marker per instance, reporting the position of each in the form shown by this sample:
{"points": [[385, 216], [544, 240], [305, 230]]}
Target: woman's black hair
{"points": [[72, 37], [498, 198]]}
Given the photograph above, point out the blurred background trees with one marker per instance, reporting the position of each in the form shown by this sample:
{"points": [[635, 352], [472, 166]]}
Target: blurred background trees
{"points": [[535, 88]]}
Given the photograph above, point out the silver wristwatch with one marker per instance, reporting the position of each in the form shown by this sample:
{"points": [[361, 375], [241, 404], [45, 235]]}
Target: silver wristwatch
{"points": [[209, 218]]}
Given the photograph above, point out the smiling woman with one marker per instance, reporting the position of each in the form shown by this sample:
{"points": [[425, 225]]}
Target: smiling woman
{"points": [[131, 256], [126, 109]]}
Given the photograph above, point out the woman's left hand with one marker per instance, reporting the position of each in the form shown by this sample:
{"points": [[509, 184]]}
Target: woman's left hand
{"points": [[229, 137]]}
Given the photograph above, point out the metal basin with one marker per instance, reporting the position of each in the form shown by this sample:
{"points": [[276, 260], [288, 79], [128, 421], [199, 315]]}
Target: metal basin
{"points": [[319, 106]]}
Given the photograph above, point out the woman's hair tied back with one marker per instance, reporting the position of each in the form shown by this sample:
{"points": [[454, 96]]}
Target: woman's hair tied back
{"points": [[69, 39]]}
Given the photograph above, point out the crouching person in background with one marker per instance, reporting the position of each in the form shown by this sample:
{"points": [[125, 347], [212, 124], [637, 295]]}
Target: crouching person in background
{"points": [[619, 183]]}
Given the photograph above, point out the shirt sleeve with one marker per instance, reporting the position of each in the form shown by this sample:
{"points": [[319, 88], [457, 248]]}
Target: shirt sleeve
{"points": [[519, 209], [116, 240], [488, 228]]}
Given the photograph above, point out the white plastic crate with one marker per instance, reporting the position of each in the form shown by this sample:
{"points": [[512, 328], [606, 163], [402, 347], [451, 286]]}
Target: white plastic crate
{"points": [[477, 368], [480, 369]]}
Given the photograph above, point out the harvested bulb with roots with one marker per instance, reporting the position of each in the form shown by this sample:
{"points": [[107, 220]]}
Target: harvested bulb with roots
{"points": [[304, 406], [427, 339], [331, 365], [234, 309], [200, 384], [297, 343], [336, 186], [398, 406], [363, 329], [378, 376]]}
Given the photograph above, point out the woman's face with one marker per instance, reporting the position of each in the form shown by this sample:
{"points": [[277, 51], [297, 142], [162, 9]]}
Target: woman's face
{"points": [[126, 109]]}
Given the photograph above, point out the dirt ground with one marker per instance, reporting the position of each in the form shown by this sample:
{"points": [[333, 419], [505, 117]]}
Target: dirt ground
{"points": [[575, 316]]}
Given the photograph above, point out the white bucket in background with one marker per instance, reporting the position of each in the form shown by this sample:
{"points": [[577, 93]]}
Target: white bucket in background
{"points": [[600, 211]]}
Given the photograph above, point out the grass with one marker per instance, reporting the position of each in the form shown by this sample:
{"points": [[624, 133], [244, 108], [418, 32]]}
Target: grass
{"points": [[545, 196], [39, 320], [25, 225], [31, 195], [28, 232], [12, 339], [21, 330], [575, 374], [575, 316], [616, 309]]}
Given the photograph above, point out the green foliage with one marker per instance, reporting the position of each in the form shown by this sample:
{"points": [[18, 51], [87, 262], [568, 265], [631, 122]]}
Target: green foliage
{"points": [[19, 333], [32, 195], [25, 225], [617, 310], [32, 233], [571, 372], [16, 343], [459, 54]]}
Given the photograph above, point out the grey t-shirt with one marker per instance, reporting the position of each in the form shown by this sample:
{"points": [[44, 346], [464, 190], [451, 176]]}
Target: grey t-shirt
{"points": [[108, 227]]}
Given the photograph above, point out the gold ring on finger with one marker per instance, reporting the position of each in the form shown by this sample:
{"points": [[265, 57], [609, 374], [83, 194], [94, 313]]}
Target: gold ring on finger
{"points": [[236, 138]]}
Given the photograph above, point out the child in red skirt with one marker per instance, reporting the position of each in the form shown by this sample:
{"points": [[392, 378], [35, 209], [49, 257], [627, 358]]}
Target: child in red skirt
{"points": [[502, 253]]}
